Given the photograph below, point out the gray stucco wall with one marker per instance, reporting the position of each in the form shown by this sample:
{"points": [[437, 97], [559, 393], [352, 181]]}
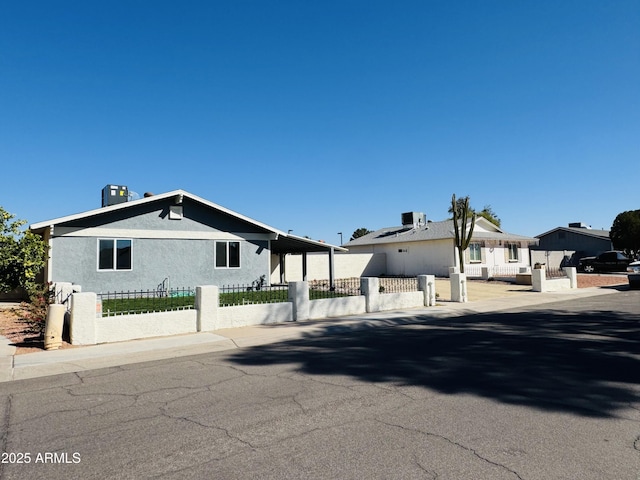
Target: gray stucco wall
{"points": [[187, 262]]}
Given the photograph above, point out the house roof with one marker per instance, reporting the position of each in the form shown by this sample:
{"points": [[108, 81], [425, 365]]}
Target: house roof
{"points": [[443, 230], [283, 243], [580, 231]]}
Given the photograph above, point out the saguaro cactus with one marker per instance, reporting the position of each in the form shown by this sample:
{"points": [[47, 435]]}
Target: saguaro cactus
{"points": [[462, 239]]}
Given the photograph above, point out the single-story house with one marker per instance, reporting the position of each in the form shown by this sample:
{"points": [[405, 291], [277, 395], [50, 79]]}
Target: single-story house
{"points": [[425, 247], [175, 239], [566, 245]]}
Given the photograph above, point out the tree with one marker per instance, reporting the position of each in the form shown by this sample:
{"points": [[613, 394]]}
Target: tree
{"points": [[361, 232], [625, 232], [490, 215], [461, 210], [23, 255]]}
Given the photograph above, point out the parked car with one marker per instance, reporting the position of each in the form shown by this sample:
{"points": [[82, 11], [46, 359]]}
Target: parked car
{"points": [[605, 262], [634, 274]]}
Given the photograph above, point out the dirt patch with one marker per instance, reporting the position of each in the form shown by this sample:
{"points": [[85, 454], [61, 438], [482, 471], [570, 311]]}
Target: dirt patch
{"points": [[587, 280], [19, 332]]}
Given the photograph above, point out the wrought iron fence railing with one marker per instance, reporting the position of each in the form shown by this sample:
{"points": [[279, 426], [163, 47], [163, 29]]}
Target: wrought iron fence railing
{"points": [[231, 295], [555, 272], [398, 284], [344, 287], [146, 301]]}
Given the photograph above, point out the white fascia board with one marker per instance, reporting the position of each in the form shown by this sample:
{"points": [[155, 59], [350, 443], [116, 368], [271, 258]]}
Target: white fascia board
{"points": [[153, 198], [95, 232], [315, 242]]}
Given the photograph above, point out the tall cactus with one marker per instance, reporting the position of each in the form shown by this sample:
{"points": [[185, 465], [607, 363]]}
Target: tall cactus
{"points": [[462, 239]]}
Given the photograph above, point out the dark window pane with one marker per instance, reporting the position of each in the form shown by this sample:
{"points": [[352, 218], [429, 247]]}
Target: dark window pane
{"points": [[234, 254], [221, 254], [123, 259], [105, 258]]}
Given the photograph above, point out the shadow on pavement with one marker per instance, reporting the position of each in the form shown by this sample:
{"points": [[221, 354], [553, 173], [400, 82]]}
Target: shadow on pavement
{"points": [[555, 359]]}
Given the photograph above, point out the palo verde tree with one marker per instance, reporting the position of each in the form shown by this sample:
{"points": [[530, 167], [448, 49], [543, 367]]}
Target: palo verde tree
{"points": [[625, 232], [461, 211], [23, 255]]}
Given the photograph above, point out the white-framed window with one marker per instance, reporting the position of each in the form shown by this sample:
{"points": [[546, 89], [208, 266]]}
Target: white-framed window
{"points": [[227, 254], [512, 252], [115, 254], [475, 252]]}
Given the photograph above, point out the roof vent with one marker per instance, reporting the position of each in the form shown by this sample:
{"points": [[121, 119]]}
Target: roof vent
{"points": [[413, 219], [114, 194]]}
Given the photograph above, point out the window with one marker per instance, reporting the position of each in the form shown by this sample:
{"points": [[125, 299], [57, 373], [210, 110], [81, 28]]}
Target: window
{"points": [[475, 252], [227, 255], [114, 254], [513, 252]]}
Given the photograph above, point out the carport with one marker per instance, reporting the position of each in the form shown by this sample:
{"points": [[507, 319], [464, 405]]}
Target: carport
{"points": [[294, 244]]}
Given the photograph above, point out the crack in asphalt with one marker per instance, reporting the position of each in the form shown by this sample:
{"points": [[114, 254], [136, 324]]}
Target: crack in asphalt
{"points": [[457, 444]]}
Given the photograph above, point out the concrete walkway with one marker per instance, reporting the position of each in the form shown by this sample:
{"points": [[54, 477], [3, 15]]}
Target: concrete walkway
{"points": [[54, 362]]}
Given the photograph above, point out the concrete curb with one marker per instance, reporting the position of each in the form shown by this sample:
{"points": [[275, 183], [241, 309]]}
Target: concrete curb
{"points": [[55, 362]]}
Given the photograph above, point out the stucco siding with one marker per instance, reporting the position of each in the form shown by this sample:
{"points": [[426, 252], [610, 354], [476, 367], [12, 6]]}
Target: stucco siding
{"points": [[187, 263], [418, 258]]}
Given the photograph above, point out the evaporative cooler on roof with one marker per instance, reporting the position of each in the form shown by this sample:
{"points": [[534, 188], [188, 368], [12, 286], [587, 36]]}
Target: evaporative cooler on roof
{"points": [[114, 194]]}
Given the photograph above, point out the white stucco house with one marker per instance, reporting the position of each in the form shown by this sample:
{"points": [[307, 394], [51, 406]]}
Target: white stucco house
{"points": [[419, 247]]}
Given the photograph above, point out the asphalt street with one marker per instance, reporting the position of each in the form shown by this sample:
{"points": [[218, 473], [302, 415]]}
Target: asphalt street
{"points": [[546, 393]]}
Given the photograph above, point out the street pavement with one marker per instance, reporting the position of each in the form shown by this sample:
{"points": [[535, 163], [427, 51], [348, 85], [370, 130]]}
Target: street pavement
{"points": [[81, 358], [532, 386]]}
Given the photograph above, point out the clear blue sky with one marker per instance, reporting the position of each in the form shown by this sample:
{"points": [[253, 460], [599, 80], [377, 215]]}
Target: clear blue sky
{"points": [[325, 116]]}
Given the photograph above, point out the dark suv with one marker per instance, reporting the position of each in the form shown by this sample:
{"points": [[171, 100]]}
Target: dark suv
{"points": [[605, 262]]}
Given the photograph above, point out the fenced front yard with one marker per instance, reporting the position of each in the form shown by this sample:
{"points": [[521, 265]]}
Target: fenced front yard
{"points": [[152, 301], [118, 316], [146, 301]]}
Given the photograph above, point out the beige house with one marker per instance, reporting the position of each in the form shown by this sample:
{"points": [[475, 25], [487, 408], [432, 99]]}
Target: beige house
{"points": [[424, 247]]}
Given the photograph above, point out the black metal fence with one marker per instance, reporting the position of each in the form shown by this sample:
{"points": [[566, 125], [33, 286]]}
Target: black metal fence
{"points": [[146, 301], [231, 295], [161, 299], [398, 284], [555, 272], [344, 287]]}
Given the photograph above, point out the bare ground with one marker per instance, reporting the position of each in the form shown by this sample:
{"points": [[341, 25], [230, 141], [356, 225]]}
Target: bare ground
{"points": [[21, 335]]}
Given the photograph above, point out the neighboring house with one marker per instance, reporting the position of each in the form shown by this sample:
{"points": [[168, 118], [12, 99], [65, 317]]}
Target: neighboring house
{"points": [[174, 238], [566, 245], [421, 247]]}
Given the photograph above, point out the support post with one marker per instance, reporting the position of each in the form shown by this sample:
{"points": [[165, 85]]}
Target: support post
{"points": [[370, 288], [538, 279], [304, 266], [572, 274], [332, 273], [427, 284], [458, 287], [207, 302], [82, 326], [299, 297]]}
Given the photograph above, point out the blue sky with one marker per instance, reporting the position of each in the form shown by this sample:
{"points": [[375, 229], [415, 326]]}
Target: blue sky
{"points": [[325, 116]]}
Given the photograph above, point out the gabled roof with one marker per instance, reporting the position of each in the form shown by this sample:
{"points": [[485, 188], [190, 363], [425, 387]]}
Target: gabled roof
{"points": [[284, 242], [580, 231], [443, 230]]}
